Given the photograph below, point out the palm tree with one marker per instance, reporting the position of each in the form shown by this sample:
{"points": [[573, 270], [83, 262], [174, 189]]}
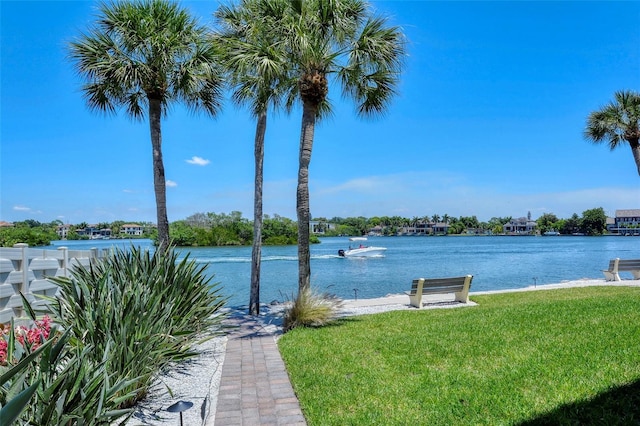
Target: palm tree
{"points": [[617, 123], [257, 70], [144, 56], [343, 39]]}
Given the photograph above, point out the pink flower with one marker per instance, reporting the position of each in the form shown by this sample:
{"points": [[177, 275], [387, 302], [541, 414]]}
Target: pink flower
{"points": [[32, 338], [3, 351]]}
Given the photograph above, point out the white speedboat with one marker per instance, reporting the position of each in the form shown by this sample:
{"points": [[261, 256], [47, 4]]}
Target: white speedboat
{"points": [[362, 250]]}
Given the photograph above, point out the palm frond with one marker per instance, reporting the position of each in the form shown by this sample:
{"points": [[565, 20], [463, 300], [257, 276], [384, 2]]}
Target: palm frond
{"points": [[147, 49], [617, 122]]}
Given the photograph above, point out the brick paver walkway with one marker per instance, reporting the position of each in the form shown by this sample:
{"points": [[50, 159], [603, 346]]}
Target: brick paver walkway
{"points": [[255, 387]]}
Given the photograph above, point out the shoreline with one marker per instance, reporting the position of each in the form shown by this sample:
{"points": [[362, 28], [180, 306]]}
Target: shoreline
{"points": [[198, 379]]}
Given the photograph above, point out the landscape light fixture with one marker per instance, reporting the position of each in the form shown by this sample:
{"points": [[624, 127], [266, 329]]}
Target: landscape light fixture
{"points": [[179, 407]]}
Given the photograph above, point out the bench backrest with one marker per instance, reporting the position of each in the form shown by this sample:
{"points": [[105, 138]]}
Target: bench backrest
{"points": [[628, 265], [439, 285]]}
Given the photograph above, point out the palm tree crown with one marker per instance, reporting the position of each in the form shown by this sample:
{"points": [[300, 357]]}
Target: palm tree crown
{"points": [[144, 50], [338, 39], [257, 69], [143, 56], [617, 123], [343, 40]]}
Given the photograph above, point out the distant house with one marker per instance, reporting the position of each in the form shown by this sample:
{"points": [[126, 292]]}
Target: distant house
{"points": [[626, 222], [63, 231], [95, 233], [520, 226], [422, 228], [4, 224], [376, 231], [320, 228], [440, 228], [131, 229], [425, 228]]}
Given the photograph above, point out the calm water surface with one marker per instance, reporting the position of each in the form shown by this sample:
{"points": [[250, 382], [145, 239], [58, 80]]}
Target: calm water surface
{"points": [[495, 263]]}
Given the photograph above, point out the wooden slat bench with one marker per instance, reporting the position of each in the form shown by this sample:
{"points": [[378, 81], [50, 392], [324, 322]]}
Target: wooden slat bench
{"points": [[622, 265], [458, 285]]}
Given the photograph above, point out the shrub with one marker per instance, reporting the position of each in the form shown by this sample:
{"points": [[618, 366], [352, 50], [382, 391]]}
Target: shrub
{"points": [[137, 312]]}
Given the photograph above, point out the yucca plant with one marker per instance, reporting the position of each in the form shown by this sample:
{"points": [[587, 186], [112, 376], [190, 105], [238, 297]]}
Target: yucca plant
{"points": [[310, 309], [138, 311]]}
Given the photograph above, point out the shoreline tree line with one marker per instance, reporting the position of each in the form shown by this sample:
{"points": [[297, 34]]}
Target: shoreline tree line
{"points": [[222, 229]]}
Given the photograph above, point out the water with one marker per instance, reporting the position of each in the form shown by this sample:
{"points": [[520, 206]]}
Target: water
{"points": [[495, 262]]}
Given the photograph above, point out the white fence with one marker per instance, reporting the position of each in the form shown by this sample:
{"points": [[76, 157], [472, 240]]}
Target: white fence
{"points": [[25, 270]]}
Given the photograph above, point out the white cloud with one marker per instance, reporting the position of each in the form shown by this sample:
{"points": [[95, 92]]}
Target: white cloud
{"points": [[171, 183], [22, 208], [198, 161]]}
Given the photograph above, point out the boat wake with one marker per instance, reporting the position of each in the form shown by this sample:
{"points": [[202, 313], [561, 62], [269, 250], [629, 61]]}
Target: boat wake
{"points": [[263, 259]]}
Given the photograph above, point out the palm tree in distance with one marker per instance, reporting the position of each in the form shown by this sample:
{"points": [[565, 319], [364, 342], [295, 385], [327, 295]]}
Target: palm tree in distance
{"points": [[258, 69], [341, 39], [144, 56], [617, 123]]}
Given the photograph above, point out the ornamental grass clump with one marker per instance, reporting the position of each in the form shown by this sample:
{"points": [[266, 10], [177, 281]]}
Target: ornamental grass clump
{"points": [[138, 312], [311, 309]]}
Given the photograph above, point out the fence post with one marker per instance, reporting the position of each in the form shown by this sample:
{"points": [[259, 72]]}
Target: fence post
{"points": [[65, 260], [94, 255], [24, 268]]}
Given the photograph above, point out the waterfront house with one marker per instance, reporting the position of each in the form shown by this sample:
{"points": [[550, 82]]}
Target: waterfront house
{"points": [[131, 229], [440, 228], [425, 228], [95, 233], [626, 222], [63, 231], [520, 226], [376, 231], [319, 227]]}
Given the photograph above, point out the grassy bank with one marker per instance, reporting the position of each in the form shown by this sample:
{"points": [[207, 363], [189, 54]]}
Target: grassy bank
{"points": [[569, 356]]}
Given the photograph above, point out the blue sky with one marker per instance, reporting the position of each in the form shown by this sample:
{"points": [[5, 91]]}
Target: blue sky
{"points": [[489, 122]]}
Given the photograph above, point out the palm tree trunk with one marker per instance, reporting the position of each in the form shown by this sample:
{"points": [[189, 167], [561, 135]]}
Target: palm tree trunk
{"points": [[635, 149], [256, 253], [302, 195], [159, 183]]}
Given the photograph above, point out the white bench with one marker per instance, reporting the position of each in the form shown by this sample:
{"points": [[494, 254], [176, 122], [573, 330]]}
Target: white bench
{"points": [[457, 285], [622, 265]]}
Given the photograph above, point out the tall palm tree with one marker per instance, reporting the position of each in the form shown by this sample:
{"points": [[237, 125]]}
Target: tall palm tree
{"points": [[144, 56], [257, 69], [344, 40], [617, 123]]}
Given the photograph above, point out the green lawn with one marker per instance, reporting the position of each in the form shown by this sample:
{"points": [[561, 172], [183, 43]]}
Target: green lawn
{"points": [[569, 356]]}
